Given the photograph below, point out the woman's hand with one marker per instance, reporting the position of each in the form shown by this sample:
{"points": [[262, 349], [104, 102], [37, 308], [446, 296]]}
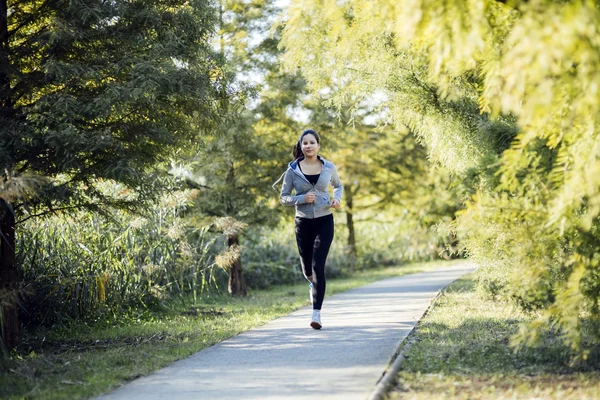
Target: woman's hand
{"points": [[309, 197], [335, 204]]}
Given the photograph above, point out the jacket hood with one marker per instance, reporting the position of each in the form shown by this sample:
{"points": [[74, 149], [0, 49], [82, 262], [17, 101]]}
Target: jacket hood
{"points": [[293, 165]]}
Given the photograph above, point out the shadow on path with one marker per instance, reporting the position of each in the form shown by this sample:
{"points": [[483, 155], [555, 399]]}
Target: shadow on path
{"points": [[287, 359]]}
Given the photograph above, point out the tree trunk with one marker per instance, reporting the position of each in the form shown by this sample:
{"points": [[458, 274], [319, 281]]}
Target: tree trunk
{"points": [[11, 332], [5, 98], [9, 317], [237, 285], [351, 246]]}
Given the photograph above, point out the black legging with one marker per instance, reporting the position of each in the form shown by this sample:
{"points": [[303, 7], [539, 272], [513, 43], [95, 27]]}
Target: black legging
{"points": [[314, 237]]}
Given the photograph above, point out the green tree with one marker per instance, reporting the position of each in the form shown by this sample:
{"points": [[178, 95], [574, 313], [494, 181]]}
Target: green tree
{"points": [[387, 170], [235, 168], [384, 165], [91, 91], [504, 94], [234, 172]]}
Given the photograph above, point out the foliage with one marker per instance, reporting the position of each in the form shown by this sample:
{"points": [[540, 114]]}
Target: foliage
{"points": [[85, 266], [103, 90], [271, 258], [234, 168], [505, 95], [343, 44], [234, 171], [398, 236], [398, 181], [96, 91]]}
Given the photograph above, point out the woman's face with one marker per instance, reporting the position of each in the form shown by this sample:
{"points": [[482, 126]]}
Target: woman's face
{"points": [[310, 146]]}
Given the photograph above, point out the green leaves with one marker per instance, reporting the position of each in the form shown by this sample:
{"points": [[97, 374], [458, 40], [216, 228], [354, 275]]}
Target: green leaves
{"points": [[111, 89], [504, 94]]}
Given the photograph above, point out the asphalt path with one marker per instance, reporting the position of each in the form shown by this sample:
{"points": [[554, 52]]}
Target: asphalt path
{"points": [[287, 359]]}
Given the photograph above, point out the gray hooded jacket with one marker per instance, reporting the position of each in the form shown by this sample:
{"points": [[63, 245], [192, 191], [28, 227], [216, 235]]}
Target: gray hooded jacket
{"points": [[294, 180]]}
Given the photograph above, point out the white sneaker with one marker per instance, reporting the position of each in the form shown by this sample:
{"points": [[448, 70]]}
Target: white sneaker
{"points": [[316, 319]]}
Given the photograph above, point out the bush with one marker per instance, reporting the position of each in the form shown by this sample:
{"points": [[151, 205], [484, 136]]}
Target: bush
{"points": [[84, 265], [545, 270]]}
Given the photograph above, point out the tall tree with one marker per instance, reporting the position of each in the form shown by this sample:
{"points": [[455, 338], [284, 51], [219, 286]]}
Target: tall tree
{"points": [[95, 90], [234, 175], [386, 168], [383, 165], [235, 169], [514, 110]]}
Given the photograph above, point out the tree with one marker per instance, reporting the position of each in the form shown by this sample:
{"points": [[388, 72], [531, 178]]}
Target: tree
{"points": [[93, 91], [384, 164], [234, 176], [386, 170], [235, 168], [504, 95]]}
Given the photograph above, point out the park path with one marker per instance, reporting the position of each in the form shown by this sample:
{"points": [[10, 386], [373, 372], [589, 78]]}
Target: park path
{"points": [[286, 359]]}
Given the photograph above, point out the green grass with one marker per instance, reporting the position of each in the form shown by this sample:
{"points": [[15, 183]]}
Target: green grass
{"points": [[462, 352], [82, 361]]}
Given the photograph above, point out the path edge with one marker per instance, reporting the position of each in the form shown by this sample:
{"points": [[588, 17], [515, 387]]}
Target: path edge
{"points": [[389, 375]]}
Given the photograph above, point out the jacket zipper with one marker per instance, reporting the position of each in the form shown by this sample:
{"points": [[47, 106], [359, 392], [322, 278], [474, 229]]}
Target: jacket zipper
{"points": [[313, 185]]}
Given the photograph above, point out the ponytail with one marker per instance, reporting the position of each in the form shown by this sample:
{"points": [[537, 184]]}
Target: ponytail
{"points": [[297, 151]]}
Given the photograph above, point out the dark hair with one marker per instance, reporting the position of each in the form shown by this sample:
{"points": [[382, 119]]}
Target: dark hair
{"points": [[297, 150]]}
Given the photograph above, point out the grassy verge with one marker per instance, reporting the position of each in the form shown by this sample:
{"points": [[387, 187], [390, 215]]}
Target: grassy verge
{"points": [[462, 352], [83, 361]]}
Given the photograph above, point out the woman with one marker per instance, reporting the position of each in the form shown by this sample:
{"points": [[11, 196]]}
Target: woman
{"points": [[309, 177]]}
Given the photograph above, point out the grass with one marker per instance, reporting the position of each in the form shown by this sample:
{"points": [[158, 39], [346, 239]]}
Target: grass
{"points": [[83, 361], [462, 352]]}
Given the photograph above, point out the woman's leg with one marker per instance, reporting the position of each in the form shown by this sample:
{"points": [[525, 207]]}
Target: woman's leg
{"points": [[305, 239], [321, 247]]}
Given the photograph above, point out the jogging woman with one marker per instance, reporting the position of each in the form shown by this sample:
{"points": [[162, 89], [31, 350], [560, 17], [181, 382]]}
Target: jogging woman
{"points": [[308, 177]]}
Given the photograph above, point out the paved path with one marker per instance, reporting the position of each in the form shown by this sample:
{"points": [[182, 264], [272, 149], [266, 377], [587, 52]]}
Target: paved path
{"points": [[286, 359]]}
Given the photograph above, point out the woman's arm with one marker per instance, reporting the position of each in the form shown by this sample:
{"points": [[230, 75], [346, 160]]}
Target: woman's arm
{"points": [[336, 183]]}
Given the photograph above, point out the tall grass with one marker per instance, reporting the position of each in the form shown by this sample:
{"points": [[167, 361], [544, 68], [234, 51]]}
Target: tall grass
{"points": [[85, 265]]}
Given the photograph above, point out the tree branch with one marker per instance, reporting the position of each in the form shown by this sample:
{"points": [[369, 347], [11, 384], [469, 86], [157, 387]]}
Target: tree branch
{"points": [[54, 210], [32, 16], [195, 185]]}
